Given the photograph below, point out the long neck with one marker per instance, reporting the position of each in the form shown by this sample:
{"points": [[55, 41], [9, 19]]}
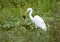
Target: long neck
{"points": [[30, 15]]}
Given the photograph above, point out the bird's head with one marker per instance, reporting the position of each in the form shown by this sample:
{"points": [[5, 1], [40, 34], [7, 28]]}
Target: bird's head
{"points": [[29, 10]]}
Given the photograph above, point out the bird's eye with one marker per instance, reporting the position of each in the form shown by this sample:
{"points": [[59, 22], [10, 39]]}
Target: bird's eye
{"points": [[29, 10]]}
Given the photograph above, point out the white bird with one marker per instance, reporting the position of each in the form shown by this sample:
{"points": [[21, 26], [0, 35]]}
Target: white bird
{"points": [[39, 22]]}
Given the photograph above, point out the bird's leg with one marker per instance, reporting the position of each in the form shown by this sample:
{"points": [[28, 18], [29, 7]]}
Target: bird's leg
{"points": [[36, 28], [36, 31]]}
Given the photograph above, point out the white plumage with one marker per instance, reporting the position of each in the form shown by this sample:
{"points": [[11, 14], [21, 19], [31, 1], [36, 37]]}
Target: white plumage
{"points": [[39, 22]]}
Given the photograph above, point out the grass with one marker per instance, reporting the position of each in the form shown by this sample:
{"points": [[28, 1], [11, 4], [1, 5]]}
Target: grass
{"points": [[15, 28]]}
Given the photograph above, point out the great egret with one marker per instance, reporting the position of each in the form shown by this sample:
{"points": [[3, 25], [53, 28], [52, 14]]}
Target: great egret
{"points": [[39, 22]]}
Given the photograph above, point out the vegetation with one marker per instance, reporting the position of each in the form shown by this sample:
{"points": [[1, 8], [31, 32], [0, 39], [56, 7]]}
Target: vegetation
{"points": [[16, 26]]}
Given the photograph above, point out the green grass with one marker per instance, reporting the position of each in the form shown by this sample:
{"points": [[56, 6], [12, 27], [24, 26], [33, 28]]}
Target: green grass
{"points": [[14, 28]]}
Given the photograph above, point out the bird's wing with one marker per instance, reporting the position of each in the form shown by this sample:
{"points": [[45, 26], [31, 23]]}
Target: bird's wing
{"points": [[38, 19], [39, 22]]}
